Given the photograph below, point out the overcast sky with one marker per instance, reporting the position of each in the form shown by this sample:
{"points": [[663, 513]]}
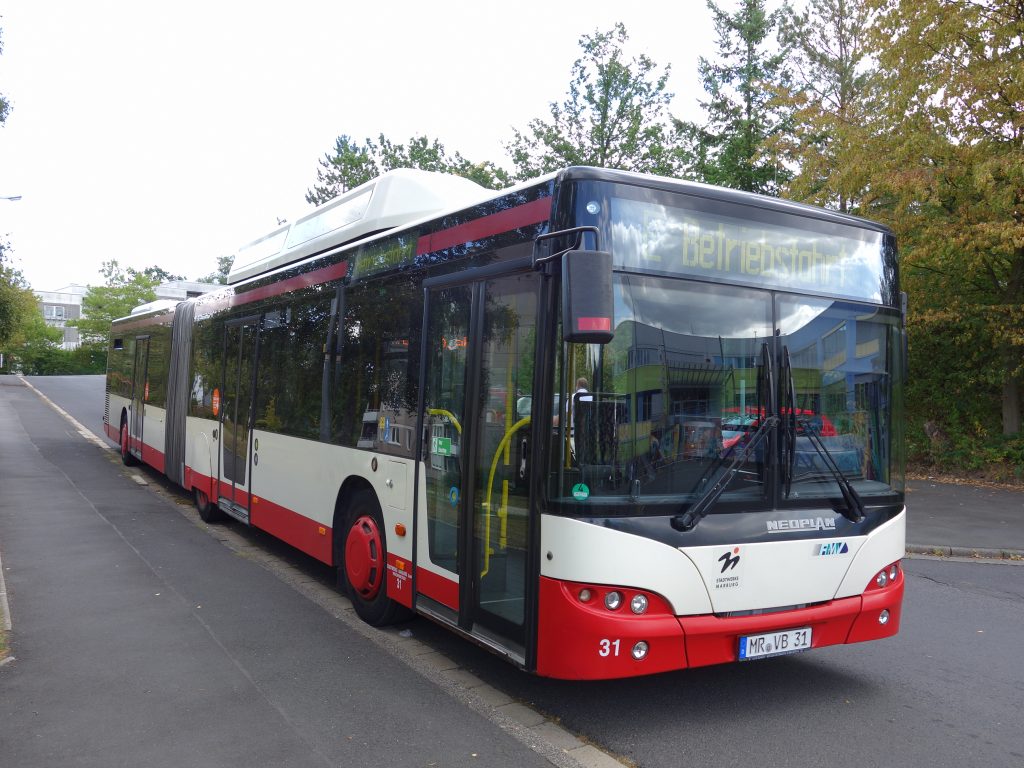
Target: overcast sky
{"points": [[172, 133]]}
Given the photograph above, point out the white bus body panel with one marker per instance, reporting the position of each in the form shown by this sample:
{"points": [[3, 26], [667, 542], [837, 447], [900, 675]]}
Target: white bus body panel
{"points": [[596, 555], [886, 544], [117, 405], [154, 422], [722, 578], [200, 449], [423, 535], [305, 476]]}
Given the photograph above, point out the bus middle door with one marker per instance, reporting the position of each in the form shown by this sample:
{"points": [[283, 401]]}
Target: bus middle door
{"points": [[140, 394], [241, 339]]}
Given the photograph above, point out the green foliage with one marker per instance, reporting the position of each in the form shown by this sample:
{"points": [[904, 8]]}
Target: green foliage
{"points": [[831, 99], [17, 302], [352, 164], [159, 275], [614, 116], [224, 264], [947, 173], [39, 358], [125, 289], [5, 105], [733, 148]]}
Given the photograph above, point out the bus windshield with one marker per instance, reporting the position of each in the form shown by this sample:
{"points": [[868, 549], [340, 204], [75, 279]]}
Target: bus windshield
{"points": [[660, 413]]}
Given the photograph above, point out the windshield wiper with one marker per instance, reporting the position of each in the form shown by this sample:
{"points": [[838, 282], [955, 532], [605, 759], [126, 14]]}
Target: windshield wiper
{"points": [[854, 511], [700, 508]]}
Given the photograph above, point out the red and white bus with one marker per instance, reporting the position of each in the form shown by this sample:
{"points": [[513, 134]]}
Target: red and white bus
{"points": [[504, 410]]}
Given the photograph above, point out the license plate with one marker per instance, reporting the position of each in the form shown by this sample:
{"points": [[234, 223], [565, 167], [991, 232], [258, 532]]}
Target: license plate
{"points": [[774, 643]]}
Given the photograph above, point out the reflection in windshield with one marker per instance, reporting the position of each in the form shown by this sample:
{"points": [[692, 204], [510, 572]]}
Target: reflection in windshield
{"points": [[684, 359], [841, 362], [682, 388]]}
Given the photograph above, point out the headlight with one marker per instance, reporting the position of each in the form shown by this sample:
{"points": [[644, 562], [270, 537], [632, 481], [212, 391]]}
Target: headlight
{"points": [[638, 604]]}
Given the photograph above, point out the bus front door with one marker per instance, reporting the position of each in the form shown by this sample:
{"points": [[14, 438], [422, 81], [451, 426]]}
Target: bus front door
{"points": [[140, 394], [479, 343], [234, 436]]}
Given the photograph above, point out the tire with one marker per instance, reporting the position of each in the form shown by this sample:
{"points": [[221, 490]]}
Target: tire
{"points": [[126, 456], [363, 570], [208, 511]]}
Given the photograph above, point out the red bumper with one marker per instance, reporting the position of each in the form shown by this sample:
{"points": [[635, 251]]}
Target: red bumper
{"points": [[588, 642]]}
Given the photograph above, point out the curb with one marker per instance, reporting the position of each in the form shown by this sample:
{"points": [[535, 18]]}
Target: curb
{"points": [[973, 553], [6, 624]]}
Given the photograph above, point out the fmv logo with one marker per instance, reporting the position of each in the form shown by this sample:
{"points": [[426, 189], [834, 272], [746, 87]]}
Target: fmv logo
{"points": [[833, 548]]}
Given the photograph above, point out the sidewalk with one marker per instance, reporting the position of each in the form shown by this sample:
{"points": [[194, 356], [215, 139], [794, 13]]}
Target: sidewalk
{"points": [[139, 639], [964, 520]]}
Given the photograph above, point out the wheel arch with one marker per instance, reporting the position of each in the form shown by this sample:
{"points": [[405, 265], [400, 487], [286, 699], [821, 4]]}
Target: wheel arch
{"points": [[352, 485]]}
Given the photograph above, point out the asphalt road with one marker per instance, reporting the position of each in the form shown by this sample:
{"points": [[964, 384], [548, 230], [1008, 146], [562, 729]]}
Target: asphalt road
{"points": [[81, 396], [947, 691]]}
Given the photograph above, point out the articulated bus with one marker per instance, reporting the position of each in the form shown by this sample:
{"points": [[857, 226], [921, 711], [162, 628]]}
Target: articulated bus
{"points": [[603, 424]]}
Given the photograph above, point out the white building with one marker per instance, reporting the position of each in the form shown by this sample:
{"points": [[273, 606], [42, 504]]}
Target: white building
{"points": [[66, 303]]}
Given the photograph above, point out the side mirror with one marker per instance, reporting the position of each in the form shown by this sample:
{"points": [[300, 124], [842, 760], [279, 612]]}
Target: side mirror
{"points": [[587, 297]]}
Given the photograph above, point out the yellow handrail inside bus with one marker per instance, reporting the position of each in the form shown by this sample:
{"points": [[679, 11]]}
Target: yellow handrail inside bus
{"points": [[503, 511], [449, 414]]}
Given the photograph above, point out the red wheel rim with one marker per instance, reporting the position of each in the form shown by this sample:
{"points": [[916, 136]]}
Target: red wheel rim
{"points": [[363, 557], [124, 440]]}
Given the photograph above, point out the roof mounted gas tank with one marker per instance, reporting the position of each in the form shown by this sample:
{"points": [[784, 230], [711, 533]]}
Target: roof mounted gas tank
{"points": [[391, 200]]}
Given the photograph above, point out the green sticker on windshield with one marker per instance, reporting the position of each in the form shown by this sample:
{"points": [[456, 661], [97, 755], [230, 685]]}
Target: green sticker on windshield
{"points": [[580, 492]]}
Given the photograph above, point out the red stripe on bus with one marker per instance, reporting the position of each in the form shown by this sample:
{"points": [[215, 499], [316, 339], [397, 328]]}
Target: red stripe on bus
{"points": [[714, 640], [574, 639], [400, 579], [445, 591], [513, 218], [316, 277], [311, 537], [301, 532], [578, 641], [152, 456]]}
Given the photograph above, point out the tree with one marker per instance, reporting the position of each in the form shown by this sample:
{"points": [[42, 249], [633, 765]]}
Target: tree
{"points": [[733, 148], [614, 116], [224, 264], [5, 105], [36, 347], [831, 101], [352, 164], [160, 275], [16, 299], [125, 289], [947, 172]]}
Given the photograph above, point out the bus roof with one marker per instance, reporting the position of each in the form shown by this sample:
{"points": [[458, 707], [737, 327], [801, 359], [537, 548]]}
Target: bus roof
{"points": [[725, 194], [391, 200]]}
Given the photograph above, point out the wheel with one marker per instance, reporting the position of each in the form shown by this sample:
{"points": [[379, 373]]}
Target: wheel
{"points": [[208, 511], [126, 455], [363, 572]]}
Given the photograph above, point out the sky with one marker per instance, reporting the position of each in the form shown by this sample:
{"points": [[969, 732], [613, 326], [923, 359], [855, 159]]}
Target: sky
{"points": [[172, 133]]}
